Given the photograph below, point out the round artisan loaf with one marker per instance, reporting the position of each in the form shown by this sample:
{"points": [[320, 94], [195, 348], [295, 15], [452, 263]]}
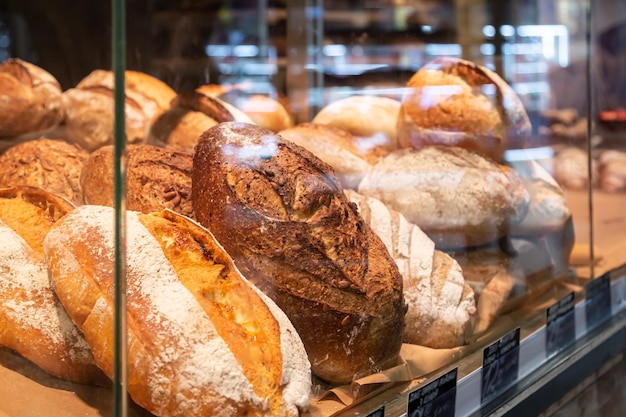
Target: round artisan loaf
{"points": [[281, 213], [191, 113], [202, 341], [156, 179], [34, 323], [50, 164], [455, 102], [350, 158], [457, 197], [89, 107], [30, 98], [268, 109], [441, 305], [373, 119]]}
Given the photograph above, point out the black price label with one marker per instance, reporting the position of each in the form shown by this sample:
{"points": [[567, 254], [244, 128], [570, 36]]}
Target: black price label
{"points": [[500, 366], [436, 399], [598, 301], [378, 413], [560, 325]]}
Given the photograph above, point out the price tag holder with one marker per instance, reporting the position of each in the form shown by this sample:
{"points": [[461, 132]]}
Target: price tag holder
{"points": [[380, 412], [437, 398], [598, 301], [500, 366], [560, 325]]}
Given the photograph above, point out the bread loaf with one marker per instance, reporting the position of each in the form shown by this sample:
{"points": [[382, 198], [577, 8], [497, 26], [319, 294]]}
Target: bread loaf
{"points": [[202, 341], [191, 113], [33, 321], [373, 119], [281, 213], [156, 179], [440, 303], [89, 107], [268, 109], [50, 164], [30, 98], [349, 158], [456, 196], [547, 208], [455, 102]]}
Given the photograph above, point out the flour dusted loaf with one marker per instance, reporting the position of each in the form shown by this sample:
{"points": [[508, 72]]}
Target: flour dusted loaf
{"points": [[30, 98], [441, 305], [456, 196], [89, 118], [202, 341], [455, 102], [50, 164], [156, 179], [33, 321], [281, 213]]}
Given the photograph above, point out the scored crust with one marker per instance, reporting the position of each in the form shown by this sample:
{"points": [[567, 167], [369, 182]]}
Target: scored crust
{"points": [[156, 179], [34, 323], [455, 102], [201, 339], [281, 214], [30, 98], [50, 164]]}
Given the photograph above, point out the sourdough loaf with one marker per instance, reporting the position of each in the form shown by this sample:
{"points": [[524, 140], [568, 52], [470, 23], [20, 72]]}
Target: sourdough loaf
{"points": [[268, 109], [50, 164], [34, 323], [349, 158], [281, 213], [372, 119], [156, 179], [440, 303], [457, 197], [202, 341], [30, 98], [89, 107], [191, 113], [455, 102]]}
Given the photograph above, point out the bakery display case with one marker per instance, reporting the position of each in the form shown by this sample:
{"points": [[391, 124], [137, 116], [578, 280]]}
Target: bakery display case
{"points": [[269, 208]]}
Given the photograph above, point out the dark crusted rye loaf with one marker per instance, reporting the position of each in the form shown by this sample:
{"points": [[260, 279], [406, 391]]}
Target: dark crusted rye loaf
{"points": [[280, 212]]}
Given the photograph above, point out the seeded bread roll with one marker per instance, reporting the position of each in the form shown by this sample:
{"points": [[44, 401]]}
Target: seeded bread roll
{"points": [[30, 99], [156, 179], [202, 341], [455, 102], [50, 164], [457, 197], [33, 321], [281, 213], [89, 107], [441, 304]]}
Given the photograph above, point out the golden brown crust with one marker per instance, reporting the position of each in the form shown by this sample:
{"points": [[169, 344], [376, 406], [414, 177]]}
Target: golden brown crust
{"points": [[271, 111], [34, 323], [156, 179], [89, 107], [51, 164], [179, 128], [455, 102], [202, 341], [30, 98], [282, 215]]}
